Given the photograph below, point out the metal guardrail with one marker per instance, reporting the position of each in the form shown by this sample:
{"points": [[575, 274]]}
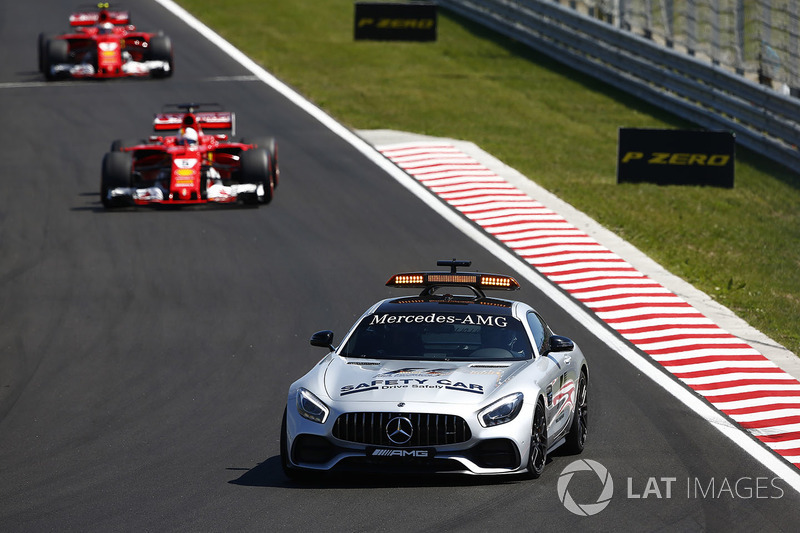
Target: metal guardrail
{"points": [[762, 119]]}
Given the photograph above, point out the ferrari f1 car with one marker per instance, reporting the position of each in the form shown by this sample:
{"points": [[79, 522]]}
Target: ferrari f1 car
{"points": [[104, 44], [196, 165], [439, 382]]}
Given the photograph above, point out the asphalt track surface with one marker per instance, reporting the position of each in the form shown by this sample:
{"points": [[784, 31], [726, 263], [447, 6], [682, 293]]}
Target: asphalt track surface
{"points": [[145, 354]]}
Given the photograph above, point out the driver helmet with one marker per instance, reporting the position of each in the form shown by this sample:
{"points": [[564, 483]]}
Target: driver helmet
{"points": [[106, 28], [189, 137]]}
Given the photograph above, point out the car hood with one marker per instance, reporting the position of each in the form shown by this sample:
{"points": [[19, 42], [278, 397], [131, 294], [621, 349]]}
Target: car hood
{"points": [[370, 380]]}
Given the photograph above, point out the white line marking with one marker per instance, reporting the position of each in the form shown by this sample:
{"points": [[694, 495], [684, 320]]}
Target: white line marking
{"points": [[26, 84]]}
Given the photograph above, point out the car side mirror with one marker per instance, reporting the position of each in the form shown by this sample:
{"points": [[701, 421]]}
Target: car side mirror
{"points": [[560, 344], [323, 339]]}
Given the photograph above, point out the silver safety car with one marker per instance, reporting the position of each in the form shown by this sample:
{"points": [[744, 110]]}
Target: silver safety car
{"points": [[440, 381]]}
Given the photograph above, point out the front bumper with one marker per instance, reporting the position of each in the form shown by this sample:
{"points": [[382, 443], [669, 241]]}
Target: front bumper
{"points": [[463, 447]]}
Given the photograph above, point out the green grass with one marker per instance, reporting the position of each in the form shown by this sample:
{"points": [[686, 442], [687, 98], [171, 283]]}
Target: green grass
{"points": [[556, 126]]}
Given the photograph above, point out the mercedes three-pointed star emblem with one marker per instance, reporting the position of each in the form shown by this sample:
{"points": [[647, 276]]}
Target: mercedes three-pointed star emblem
{"points": [[399, 430]]}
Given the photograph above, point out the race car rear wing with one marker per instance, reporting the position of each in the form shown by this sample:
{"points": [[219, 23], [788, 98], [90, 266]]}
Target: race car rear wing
{"points": [[208, 120], [90, 18]]}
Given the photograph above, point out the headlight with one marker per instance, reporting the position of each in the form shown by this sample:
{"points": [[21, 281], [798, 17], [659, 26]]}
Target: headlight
{"points": [[503, 410], [311, 407]]}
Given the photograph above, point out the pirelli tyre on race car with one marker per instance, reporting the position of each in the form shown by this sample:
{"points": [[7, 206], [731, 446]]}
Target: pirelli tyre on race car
{"points": [[439, 381]]}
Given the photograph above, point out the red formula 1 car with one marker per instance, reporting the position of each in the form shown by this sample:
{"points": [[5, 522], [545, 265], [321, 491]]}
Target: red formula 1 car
{"points": [[104, 44], [191, 167]]}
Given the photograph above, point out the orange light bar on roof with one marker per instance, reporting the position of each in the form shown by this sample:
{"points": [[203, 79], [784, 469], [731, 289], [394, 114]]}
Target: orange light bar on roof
{"points": [[437, 279]]}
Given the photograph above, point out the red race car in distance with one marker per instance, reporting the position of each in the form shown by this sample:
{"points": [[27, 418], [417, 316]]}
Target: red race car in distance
{"points": [[196, 165], [104, 44]]}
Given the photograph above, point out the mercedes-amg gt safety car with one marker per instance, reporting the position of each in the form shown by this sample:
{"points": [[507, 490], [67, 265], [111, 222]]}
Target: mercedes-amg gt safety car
{"points": [[104, 44], [439, 382], [196, 165]]}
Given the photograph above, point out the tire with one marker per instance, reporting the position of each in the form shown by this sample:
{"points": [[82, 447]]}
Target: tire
{"points": [[116, 173], [42, 51], [271, 146], [576, 438], [160, 49], [290, 471], [255, 168], [119, 144], [537, 456], [56, 53]]}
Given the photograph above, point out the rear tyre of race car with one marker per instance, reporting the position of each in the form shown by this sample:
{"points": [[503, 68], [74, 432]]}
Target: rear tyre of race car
{"points": [[255, 168], [269, 144], [56, 53], [116, 173], [576, 438], [160, 49], [537, 457]]}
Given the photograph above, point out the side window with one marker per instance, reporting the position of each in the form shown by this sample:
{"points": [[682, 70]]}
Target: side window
{"points": [[538, 330]]}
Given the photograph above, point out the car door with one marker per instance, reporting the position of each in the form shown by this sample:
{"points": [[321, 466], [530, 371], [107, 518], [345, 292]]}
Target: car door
{"points": [[560, 379]]}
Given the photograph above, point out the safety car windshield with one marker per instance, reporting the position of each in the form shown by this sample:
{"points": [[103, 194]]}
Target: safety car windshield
{"points": [[439, 337]]}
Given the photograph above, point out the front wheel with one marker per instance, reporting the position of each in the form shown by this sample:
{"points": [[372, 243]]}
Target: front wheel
{"points": [[271, 146], [576, 438], [42, 51], [255, 168], [160, 49], [290, 471], [56, 53], [119, 144], [116, 174], [538, 449]]}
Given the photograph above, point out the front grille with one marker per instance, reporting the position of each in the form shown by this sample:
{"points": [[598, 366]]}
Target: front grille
{"points": [[429, 429]]}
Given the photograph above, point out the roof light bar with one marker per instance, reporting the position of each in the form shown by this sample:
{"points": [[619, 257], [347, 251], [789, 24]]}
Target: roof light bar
{"points": [[431, 280]]}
